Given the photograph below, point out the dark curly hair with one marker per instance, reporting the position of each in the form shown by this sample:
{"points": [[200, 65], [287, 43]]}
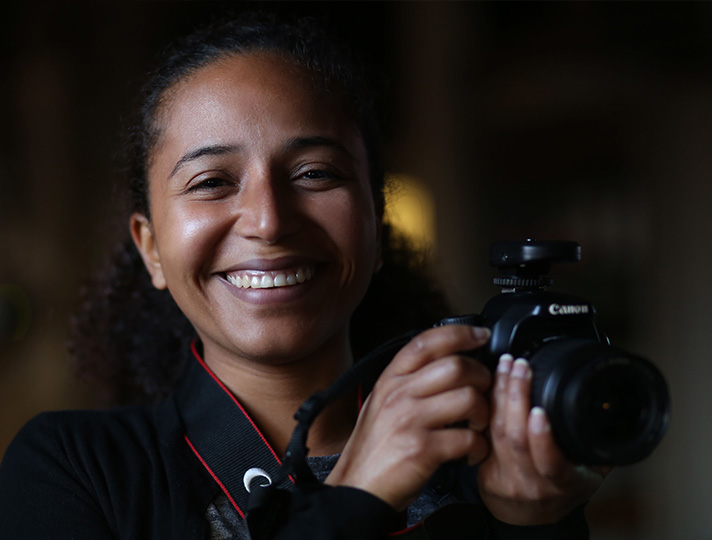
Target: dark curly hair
{"points": [[130, 340]]}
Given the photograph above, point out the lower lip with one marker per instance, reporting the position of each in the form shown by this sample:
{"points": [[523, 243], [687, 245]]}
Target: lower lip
{"points": [[274, 295]]}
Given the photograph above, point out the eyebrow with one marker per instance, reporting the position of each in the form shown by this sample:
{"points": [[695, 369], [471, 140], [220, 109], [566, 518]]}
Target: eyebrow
{"points": [[211, 150], [292, 145], [300, 143]]}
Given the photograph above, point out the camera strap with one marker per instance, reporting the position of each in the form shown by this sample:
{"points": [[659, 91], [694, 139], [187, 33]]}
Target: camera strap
{"points": [[363, 373], [268, 504], [228, 444]]}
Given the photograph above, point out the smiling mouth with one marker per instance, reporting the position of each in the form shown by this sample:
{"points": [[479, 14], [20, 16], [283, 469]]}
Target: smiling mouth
{"points": [[258, 279]]}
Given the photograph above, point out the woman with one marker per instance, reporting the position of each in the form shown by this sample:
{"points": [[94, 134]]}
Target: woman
{"points": [[257, 206]]}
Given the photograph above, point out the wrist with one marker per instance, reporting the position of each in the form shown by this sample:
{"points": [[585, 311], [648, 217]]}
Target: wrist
{"points": [[528, 513], [573, 525]]}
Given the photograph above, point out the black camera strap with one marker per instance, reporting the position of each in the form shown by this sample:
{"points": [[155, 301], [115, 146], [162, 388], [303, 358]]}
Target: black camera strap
{"points": [[268, 504], [230, 447], [363, 373], [222, 435]]}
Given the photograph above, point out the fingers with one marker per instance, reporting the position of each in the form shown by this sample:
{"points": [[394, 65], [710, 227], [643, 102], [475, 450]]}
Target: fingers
{"points": [[450, 372], [455, 384], [548, 460], [526, 479], [510, 404], [437, 343], [430, 366], [523, 434], [457, 442], [454, 406], [428, 407]]}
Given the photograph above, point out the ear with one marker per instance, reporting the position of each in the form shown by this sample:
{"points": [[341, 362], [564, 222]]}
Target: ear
{"points": [[142, 234]]}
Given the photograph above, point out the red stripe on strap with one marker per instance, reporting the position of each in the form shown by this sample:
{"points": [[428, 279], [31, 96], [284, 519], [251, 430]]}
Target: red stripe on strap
{"points": [[234, 399], [222, 486]]}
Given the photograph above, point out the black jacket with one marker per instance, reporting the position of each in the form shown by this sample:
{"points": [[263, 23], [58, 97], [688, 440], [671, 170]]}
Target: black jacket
{"points": [[151, 472]]}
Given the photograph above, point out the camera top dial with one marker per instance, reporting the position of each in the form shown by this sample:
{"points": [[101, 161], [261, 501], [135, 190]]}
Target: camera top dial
{"points": [[523, 264]]}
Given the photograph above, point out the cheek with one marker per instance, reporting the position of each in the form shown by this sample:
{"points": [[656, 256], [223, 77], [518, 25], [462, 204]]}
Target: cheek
{"points": [[185, 242]]}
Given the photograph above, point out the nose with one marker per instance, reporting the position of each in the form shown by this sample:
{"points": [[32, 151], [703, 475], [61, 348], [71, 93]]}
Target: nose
{"points": [[266, 211]]}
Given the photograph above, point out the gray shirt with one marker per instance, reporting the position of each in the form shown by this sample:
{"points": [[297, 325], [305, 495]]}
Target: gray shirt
{"points": [[226, 524]]}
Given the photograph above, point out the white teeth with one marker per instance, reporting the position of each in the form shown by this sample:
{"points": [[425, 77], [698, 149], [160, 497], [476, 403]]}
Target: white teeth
{"points": [[269, 280]]}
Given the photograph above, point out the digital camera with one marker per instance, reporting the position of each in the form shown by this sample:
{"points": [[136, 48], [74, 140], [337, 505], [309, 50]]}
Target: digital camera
{"points": [[605, 405]]}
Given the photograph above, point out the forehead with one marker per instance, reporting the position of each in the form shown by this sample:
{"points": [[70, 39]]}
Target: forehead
{"points": [[252, 72], [259, 91]]}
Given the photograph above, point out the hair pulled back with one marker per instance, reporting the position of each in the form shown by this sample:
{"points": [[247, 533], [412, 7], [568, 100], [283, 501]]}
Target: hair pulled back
{"points": [[130, 340]]}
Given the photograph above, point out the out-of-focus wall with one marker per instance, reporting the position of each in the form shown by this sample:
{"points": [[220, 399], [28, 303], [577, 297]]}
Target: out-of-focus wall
{"points": [[578, 120], [590, 122], [69, 70]]}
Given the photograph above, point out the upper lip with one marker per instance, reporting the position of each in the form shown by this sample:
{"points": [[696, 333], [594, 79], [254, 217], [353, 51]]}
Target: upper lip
{"points": [[269, 264]]}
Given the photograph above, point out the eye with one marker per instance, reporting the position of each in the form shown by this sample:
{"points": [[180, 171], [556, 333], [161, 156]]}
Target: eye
{"points": [[210, 186], [315, 174], [208, 183], [317, 178]]}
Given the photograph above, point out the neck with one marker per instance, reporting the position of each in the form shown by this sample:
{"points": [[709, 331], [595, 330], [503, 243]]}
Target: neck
{"points": [[272, 393]]}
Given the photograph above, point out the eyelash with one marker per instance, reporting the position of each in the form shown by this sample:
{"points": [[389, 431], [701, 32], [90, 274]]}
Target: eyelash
{"points": [[208, 184], [319, 176]]}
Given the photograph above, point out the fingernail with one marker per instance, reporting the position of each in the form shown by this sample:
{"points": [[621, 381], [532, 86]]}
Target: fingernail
{"points": [[505, 363], [520, 368], [481, 333], [539, 422]]}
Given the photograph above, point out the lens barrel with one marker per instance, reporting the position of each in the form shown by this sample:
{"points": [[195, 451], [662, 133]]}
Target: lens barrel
{"points": [[605, 405]]}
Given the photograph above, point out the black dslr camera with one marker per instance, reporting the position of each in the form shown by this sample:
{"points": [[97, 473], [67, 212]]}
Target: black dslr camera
{"points": [[605, 405]]}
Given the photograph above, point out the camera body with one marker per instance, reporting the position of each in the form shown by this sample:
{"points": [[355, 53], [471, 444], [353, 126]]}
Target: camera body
{"points": [[605, 405]]}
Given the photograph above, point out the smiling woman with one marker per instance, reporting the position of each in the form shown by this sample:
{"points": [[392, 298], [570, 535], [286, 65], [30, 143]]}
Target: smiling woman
{"points": [[282, 186], [258, 271]]}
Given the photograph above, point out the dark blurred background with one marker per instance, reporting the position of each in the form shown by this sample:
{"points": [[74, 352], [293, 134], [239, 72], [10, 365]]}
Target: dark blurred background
{"points": [[553, 120]]}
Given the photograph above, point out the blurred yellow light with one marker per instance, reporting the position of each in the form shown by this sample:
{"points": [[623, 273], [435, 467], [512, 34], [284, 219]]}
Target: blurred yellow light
{"points": [[410, 209]]}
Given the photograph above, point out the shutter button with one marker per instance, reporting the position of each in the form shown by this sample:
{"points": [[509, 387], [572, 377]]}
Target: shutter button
{"points": [[256, 474]]}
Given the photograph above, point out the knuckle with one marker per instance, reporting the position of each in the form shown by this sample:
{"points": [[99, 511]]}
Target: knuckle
{"points": [[464, 368], [414, 447], [453, 369], [515, 392], [517, 439], [394, 400], [418, 343], [498, 428], [470, 397], [389, 389]]}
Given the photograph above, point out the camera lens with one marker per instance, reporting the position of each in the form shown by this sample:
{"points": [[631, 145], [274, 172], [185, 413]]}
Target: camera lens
{"points": [[605, 405], [614, 406]]}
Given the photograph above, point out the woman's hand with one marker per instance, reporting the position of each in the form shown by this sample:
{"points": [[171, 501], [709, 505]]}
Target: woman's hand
{"points": [[526, 480], [406, 428]]}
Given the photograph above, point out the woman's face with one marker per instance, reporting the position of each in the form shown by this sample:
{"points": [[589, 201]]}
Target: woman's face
{"points": [[263, 225]]}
